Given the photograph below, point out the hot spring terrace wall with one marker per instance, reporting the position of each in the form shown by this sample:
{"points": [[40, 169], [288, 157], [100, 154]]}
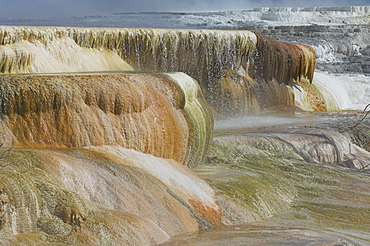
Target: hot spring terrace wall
{"points": [[159, 114], [237, 70]]}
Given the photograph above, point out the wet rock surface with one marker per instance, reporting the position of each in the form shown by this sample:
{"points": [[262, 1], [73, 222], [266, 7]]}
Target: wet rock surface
{"points": [[260, 235], [163, 115], [354, 125], [202, 54]]}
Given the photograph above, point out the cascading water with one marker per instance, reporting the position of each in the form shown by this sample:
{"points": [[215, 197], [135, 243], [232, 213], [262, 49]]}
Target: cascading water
{"points": [[102, 147], [223, 62]]}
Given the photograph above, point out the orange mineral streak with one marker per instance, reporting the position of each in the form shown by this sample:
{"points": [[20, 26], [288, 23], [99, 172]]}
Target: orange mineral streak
{"points": [[136, 111], [316, 98], [212, 215]]}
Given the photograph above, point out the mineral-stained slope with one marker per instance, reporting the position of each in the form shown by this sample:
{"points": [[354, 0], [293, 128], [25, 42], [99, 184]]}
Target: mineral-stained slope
{"points": [[94, 197], [130, 185], [162, 115]]}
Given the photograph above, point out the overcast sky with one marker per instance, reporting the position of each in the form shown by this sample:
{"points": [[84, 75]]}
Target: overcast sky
{"points": [[61, 8]]}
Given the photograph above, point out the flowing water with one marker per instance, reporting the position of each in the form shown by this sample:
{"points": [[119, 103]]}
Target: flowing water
{"points": [[108, 139]]}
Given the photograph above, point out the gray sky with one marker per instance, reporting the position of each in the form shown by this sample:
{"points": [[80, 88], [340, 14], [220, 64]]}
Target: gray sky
{"points": [[61, 8]]}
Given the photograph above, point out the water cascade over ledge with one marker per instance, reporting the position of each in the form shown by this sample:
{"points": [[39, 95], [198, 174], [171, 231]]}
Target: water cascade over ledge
{"points": [[102, 129], [239, 71]]}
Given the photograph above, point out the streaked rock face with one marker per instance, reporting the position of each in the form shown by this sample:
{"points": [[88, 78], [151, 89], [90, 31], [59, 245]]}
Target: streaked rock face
{"points": [[312, 145], [162, 115]]}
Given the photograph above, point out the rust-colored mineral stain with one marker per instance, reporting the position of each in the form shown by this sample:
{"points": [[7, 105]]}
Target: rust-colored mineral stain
{"points": [[75, 111], [202, 54], [212, 215]]}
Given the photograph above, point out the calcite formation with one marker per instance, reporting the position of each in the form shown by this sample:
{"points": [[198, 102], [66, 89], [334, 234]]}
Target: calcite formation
{"points": [[66, 183]]}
